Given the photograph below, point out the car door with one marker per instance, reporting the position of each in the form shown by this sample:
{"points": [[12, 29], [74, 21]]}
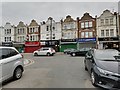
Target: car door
{"points": [[5, 63], [8, 59], [0, 65], [45, 51], [89, 60], [40, 51]]}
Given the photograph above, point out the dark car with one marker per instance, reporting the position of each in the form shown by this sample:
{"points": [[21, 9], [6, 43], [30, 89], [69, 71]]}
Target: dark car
{"points": [[104, 68], [80, 52], [68, 50]]}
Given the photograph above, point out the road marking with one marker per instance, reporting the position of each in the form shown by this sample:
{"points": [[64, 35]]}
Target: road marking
{"points": [[30, 62]]}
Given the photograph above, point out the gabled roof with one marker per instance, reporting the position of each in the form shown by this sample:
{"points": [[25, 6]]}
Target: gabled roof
{"points": [[21, 24], [69, 19], [86, 16], [33, 23]]}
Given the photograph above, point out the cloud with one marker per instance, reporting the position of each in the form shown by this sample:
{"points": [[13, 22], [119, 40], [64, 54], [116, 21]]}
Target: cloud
{"points": [[26, 11]]}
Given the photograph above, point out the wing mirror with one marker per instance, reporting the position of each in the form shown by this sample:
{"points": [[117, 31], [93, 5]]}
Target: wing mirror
{"points": [[89, 57]]}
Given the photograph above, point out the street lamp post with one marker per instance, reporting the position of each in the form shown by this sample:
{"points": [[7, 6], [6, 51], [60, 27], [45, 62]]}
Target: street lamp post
{"points": [[50, 30]]}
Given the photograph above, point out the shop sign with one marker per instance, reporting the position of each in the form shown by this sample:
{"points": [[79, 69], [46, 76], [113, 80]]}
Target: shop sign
{"points": [[87, 40], [34, 43]]}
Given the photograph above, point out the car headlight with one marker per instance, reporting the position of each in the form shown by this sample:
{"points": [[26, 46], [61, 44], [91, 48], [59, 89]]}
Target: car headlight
{"points": [[105, 72]]}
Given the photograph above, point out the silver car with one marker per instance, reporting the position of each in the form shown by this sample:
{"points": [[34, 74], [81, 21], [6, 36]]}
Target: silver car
{"points": [[44, 51], [11, 63]]}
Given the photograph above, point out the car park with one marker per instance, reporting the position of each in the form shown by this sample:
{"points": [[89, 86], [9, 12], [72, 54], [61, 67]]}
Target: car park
{"points": [[68, 50], [103, 67], [11, 64], [80, 52], [44, 51]]}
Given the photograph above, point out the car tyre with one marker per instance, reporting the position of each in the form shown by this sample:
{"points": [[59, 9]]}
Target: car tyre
{"points": [[17, 73], [35, 54], [73, 54], [93, 78], [86, 68], [48, 54]]}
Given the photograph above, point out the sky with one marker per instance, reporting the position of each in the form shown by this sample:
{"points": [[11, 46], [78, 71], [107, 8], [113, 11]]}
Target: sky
{"points": [[14, 12]]}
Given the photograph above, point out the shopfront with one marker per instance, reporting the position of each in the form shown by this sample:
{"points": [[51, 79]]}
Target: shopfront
{"points": [[31, 46], [109, 43], [67, 43], [53, 43], [87, 42]]}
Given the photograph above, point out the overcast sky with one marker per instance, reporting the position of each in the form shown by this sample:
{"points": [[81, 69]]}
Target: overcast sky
{"points": [[14, 12]]}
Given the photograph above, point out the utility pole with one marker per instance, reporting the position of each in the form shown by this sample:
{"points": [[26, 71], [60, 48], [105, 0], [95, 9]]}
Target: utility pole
{"points": [[78, 29], [50, 30]]}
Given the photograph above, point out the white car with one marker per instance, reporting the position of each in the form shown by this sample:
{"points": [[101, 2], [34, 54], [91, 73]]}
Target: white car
{"points": [[11, 63], [44, 51]]}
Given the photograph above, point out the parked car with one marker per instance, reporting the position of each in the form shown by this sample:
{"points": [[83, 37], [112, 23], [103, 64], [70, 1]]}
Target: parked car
{"points": [[44, 51], [104, 68], [11, 63], [80, 52], [68, 50]]}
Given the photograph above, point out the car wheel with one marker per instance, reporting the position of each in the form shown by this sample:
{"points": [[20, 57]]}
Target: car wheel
{"points": [[35, 54], [73, 54], [17, 73], [93, 78], [48, 54]]}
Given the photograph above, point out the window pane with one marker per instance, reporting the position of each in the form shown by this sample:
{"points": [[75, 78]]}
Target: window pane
{"points": [[102, 22], [86, 24], [82, 34], [111, 21], [90, 34], [107, 32], [102, 32], [106, 21], [111, 32], [86, 34], [82, 25], [90, 24]]}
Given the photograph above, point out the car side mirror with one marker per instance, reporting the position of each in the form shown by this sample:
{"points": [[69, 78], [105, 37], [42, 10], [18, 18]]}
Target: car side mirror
{"points": [[89, 57]]}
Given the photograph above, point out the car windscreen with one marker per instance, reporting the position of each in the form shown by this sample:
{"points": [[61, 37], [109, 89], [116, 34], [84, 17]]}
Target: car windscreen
{"points": [[106, 55]]}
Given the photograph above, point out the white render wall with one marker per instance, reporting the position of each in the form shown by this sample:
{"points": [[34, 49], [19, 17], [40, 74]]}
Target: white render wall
{"points": [[1, 34], [18, 36], [70, 32], [12, 35], [47, 34], [99, 27]]}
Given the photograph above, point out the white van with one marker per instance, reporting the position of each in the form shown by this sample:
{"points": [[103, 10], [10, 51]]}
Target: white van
{"points": [[11, 63]]}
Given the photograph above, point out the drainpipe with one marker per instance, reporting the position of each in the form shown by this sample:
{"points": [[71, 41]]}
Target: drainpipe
{"points": [[78, 29]]}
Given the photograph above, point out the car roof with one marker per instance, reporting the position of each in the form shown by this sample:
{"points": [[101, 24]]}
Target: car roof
{"points": [[7, 47]]}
